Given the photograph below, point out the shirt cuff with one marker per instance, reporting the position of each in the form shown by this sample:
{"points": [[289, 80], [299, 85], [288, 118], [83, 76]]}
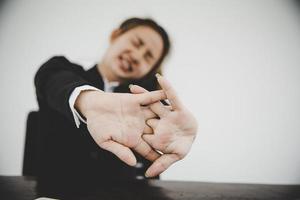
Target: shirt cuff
{"points": [[77, 117]]}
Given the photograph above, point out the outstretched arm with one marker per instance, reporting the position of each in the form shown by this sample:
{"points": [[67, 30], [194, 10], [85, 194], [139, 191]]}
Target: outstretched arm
{"points": [[55, 80]]}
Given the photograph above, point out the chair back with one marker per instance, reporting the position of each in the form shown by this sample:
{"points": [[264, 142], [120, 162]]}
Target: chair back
{"points": [[31, 143]]}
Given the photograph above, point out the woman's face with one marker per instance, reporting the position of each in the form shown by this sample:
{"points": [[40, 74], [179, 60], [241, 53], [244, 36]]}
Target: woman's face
{"points": [[134, 53]]}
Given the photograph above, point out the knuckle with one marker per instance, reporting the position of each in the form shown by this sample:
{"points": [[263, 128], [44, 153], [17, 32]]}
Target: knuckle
{"points": [[148, 154]]}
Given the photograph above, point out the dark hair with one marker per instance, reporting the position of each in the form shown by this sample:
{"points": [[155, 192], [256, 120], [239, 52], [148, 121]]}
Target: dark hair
{"points": [[135, 22]]}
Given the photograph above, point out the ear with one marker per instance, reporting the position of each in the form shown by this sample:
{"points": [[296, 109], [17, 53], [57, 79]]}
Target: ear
{"points": [[116, 33]]}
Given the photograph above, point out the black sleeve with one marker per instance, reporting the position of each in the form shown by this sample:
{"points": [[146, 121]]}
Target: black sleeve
{"points": [[55, 80]]}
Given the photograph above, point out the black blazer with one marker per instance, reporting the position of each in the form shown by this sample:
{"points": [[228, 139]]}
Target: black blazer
{"points": [[66, 151]]}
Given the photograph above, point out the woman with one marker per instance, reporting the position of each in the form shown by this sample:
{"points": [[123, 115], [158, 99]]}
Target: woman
{"points": [[69, 97]]}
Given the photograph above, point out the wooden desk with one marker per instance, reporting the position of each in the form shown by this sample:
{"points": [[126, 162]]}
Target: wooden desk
{"points": [[15, 188]]}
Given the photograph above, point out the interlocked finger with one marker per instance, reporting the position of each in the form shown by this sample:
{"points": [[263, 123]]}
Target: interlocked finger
{"points": [[147, 130], [148, 113], [146, 151], [158, 108], [151, 97], [152, 123]]}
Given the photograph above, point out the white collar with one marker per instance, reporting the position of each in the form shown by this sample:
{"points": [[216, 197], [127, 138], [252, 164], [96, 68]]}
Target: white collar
{"points": [[110, 86]]}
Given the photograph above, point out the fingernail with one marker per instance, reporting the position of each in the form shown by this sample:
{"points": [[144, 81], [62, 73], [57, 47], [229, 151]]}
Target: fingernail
{"points": [[130, 85], [146, 175], [157, 75]]}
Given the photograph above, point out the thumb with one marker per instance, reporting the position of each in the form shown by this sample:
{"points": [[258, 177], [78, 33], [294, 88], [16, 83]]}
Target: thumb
{"points": [[161, 164], [121, 151]]}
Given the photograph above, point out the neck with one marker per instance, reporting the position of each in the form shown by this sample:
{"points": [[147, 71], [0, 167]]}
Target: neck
{"points": [[107, 73]]}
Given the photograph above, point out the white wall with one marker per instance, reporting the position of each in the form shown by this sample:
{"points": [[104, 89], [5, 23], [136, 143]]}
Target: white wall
{"points": [[234, 63]]}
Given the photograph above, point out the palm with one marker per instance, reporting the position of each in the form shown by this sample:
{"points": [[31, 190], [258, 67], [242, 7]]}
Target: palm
{"points": [[117, 123], [171, 137], [174, 131], [127, 122]]}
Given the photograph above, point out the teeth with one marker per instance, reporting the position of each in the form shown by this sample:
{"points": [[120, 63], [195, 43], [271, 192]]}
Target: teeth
{"points": [[125, 64]]}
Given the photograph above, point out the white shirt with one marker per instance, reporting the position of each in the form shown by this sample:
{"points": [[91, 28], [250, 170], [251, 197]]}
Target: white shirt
{"points": [[108, 87]]}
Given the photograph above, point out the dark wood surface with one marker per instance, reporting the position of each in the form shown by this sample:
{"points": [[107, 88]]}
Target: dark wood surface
{"points": [[15, 188]]}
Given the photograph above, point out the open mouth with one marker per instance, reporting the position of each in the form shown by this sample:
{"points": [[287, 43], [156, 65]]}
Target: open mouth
{"points": [[125, 63]]}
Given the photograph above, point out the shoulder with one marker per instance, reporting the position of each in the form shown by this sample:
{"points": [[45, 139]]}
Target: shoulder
{"points": [[59, 59], [61, 62]]}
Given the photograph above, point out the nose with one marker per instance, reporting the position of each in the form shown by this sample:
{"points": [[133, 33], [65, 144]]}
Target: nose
{"points": [[134, 60], [138, 55]]}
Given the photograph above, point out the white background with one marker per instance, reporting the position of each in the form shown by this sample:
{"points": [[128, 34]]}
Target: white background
{"points": [[234, 63]]}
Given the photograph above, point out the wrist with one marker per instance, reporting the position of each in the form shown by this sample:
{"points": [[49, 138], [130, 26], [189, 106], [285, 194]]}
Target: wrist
{"points": [[86, 101]]}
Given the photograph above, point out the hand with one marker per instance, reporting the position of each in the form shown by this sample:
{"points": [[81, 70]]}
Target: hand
{"points": [[174, 132], [116, 121]]}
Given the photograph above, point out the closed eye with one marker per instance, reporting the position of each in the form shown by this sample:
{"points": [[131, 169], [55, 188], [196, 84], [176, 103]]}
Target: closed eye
{"points": [[140, 42], [148, 56]]}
